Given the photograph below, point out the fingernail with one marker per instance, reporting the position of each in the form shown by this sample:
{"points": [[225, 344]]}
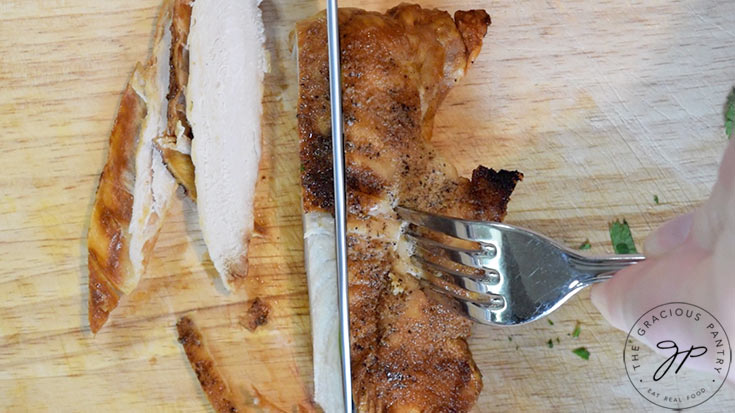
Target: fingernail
{"points": [[669, 236]]}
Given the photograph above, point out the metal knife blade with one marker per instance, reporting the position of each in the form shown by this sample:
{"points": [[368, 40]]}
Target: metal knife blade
{"points": [[340, 211]]}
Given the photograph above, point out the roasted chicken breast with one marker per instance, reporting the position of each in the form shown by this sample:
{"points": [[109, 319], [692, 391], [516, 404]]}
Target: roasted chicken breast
{"points": [[108, 240], [409, 345], [227, 65], [154, 186], [205, 78], [134, 188]]}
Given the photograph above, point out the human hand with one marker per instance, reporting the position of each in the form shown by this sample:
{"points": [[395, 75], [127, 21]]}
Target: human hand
{"points": [[689, 259]]}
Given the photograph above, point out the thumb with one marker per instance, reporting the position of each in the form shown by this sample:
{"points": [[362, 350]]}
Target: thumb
{"points": [[608, 296], [668, 236], [611, 297]]}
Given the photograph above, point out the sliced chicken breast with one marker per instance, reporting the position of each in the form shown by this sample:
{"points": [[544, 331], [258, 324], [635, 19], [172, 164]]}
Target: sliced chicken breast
{"points": [[175, 143], [223, 101], [154, 185], [321, 270], [108, 240], [135, 187]]}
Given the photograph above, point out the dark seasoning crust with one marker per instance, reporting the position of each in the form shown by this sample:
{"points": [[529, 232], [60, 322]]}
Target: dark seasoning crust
{"points": [[315, 131], [409, 348], [202, 362], [256, 315]]}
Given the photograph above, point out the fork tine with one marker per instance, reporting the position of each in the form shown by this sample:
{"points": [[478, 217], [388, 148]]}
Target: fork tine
{"points": [[487, 315], [483, 259], [489, 276], [478, 231], [484, 312], [462, 294], [473, 283]]}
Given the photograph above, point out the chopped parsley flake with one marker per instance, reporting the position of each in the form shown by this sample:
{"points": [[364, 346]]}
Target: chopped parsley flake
{"points": [[585, 245], [621, 238], [577, 330], [582, 352], [510, 338], [551, 323], [655, 199], [550, 343], [557, 340]]}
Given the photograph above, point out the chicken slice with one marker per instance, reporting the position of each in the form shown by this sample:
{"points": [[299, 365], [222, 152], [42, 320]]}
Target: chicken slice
{"points": [[135, 187], [154, 185], [223, 101], [175, 144], [108, 239], [213, 383]]}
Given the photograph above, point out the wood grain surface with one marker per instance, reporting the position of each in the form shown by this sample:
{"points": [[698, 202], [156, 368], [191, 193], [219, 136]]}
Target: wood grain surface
{"points": [[602, 104]]}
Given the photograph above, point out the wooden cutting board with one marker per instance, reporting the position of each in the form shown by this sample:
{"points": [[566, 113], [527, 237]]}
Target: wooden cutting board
{"points": [[601, 104]]}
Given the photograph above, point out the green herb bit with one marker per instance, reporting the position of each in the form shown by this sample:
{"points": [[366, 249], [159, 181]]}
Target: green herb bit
{"points": [[551, 323], [557, 340], [730, 113], [510, 338], [655, 199], [621, 238], [577, 330], [582, 352], [550, 343], [585, 245]]}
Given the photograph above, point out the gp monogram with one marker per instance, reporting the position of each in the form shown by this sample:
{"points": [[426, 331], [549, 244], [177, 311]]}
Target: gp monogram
{"points": [[692, 361]]}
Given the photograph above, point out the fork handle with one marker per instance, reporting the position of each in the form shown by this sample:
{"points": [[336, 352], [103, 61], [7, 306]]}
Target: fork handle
{"points": [[602, 268]]}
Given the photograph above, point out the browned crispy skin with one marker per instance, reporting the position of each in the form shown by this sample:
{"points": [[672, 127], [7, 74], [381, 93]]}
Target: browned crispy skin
{"points": [[473, 28], [409, 348], [110, 269], [180, 164], [256, 315], [179, 63], [202, 362], [107, 241]]}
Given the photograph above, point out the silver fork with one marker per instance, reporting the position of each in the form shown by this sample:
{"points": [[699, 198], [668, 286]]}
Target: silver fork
{"points": [[524, 275]]}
